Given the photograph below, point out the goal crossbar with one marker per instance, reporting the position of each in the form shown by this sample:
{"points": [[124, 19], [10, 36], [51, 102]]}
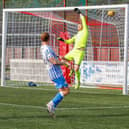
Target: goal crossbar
{"points": [[67, 8]]}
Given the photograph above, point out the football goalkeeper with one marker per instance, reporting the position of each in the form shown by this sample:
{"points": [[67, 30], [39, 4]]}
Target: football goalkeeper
{"points": [[78, 51]]}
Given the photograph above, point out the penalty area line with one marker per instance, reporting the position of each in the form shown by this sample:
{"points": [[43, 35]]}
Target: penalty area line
{"points": [[69, 108]]}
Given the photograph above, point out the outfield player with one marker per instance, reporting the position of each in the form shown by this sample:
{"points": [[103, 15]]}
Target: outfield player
{"points": [[80, 42], [55, 73]]}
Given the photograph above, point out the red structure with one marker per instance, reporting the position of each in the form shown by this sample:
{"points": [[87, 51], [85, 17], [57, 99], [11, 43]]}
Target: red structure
{"points": [[63, 50]]}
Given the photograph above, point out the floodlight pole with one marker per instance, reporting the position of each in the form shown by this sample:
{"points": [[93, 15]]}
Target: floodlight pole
{"points": [[3, 3], [64, 3], [86, 2]]}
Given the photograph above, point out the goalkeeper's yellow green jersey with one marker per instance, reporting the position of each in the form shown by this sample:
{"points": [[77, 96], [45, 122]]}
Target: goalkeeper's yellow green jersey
{"points": [[80, 39]]}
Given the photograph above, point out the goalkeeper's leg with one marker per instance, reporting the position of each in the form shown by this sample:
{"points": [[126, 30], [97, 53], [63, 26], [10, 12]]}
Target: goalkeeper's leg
{"points": [[79, 55], [77, 75], [68, 65], [74, 70], [66, 62], [69, 57]]}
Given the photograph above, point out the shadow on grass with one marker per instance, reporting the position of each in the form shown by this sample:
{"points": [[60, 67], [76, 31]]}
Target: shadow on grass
{"points": [[24, 117], [65, 116]]}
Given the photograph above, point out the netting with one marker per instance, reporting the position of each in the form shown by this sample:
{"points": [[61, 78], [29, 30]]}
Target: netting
{"points": [[23, 44], [105, 53]]}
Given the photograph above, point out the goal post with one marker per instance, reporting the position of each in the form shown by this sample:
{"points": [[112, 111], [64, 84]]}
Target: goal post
{"points": [[106, 57], [4, 32], [126, 43]]}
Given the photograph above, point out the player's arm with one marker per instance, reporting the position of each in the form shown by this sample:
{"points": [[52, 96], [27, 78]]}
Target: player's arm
{"points": [[52, 59], [83, 19], [57, 62], [69, 41]]}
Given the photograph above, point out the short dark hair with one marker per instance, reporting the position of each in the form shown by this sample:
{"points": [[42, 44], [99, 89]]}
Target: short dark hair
{"points": [[45, 36]]}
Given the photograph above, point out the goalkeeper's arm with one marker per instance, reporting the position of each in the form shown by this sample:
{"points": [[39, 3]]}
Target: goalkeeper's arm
{"points": [[60, 39], [68, 41], [82, 16]]}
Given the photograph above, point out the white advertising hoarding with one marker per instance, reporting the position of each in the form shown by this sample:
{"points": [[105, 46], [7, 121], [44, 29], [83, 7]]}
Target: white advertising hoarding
{"points": [[102, 72]]}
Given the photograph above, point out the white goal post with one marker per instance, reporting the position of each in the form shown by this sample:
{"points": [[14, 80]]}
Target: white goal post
{"points": [[106, 58]]}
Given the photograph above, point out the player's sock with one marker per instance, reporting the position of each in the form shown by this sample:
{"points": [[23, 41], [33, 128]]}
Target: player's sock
{"points": [[77, 74], [58, 98]]}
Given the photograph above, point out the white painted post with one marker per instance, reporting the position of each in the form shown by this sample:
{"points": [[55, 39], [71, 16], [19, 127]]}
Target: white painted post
{"points": [[4, 32], [125, 85]]}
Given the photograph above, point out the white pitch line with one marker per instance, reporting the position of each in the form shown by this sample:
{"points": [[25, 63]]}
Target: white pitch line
{"points": [[72, 108], [45, 89], [22, 106]]}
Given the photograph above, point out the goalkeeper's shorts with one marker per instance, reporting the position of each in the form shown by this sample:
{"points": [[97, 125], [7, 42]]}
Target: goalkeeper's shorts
{"points": [[76, 55], [60, 82]]}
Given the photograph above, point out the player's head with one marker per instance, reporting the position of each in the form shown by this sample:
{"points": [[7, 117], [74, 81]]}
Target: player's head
{"points": [[80, 27], [45, 37]]}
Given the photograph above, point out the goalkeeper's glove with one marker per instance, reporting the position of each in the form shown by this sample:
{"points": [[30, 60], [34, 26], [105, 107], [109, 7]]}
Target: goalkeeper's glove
{"points": [[61, 39], [77, 11]]}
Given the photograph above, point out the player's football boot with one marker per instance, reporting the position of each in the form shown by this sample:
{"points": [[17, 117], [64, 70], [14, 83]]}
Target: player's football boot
{"points": [[51, 109]]}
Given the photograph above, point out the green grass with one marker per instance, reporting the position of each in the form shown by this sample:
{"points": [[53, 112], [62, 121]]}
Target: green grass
{"points": [[24, 108]]}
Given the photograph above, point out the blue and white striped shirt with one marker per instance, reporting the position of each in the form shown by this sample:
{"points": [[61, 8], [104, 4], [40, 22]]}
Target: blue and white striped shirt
{"points": [[53, 70]]}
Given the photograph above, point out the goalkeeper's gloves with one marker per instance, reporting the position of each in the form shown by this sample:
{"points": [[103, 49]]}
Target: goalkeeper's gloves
{"points": [[61, 39], [76, 10]]}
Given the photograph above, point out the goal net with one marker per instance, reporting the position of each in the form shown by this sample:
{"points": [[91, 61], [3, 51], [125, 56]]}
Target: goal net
{"points": [[106, 57]]}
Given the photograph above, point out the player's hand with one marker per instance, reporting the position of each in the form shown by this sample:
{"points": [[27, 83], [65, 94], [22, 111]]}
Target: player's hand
{"points": [[76, 10], [61, 39], [61, 57]]}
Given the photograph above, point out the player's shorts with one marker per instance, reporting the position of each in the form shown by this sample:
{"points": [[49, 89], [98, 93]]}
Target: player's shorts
{"points": [[60, 82], [76, 55]]}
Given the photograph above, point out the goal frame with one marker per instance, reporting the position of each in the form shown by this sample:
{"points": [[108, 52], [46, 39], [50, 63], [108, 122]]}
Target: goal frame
{"points": [[126, 26]]}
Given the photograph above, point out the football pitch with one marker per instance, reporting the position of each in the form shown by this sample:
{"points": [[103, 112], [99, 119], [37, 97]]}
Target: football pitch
{"points": [[25, 108]]}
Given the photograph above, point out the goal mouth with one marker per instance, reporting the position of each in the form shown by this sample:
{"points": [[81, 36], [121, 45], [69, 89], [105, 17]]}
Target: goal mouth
{"points": [[105, 60]]}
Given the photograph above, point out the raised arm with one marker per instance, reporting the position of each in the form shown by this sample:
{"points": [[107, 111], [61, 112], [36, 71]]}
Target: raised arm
{"points": [[83, 19]]}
